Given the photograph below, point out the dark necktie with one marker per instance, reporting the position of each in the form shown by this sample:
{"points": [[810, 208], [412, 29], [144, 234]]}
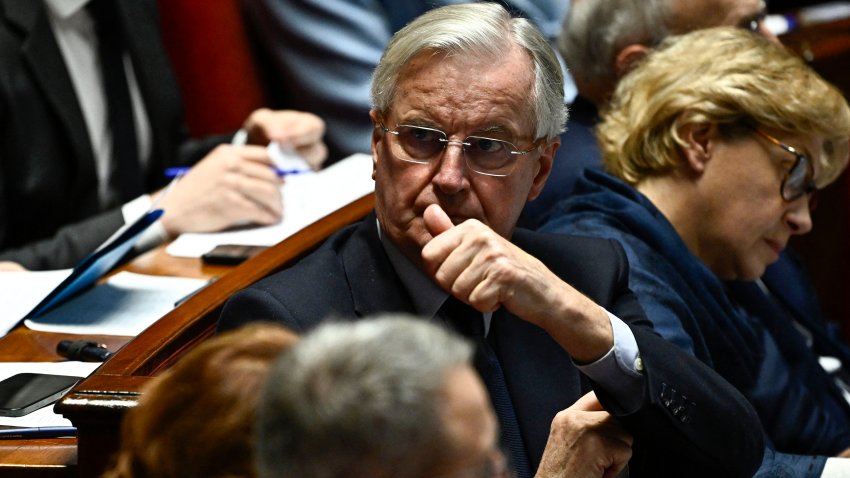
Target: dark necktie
{"points": [[470, 323], [124, 179]]}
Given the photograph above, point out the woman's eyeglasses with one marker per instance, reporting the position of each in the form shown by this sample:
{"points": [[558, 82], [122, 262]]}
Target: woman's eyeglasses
{"points": [[799, 180]]}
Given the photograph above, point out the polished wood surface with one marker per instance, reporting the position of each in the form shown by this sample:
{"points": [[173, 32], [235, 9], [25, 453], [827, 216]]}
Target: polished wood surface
{"points": [[96, 404]]}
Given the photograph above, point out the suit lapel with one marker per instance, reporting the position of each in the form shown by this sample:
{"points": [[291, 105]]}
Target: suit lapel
{"points": [[41, 53], [375, 287]]}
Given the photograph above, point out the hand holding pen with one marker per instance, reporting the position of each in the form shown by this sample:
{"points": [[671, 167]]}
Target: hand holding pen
{"points": [[180, 172], [240, 184], [231, 186]]}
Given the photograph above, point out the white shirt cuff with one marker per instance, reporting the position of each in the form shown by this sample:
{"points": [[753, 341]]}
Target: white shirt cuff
{"points": [[620, 371], [153, 235], [836, 468]]}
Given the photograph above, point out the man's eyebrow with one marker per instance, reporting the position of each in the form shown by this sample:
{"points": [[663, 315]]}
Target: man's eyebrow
{"points": [[497, 128], [420, 122]]}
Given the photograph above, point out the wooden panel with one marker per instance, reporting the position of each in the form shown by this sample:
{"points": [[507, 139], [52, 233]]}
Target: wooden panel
{"points": [[26, 461]]}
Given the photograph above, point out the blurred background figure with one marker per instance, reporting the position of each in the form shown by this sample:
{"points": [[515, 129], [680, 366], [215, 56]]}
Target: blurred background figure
{"points": [[325, 52], [197, 418], [711, 175], [602, 40], [92, 117], [378, 398]]}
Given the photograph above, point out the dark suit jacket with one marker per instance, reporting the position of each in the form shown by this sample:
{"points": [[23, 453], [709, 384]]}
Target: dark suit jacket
{"points": [[691, 422], [50, 216]]}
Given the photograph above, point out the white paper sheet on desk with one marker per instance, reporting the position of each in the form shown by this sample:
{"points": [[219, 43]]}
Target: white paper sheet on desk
{"points": [[43, 417], [307, 198], [126, 304], [21, 291]]}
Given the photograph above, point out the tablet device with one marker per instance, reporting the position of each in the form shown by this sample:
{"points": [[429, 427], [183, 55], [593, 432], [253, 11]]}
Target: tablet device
{"points": [[96, 264]]}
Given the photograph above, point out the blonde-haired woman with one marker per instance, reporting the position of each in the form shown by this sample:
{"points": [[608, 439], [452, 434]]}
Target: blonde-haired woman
{"points": [[715, 145]]}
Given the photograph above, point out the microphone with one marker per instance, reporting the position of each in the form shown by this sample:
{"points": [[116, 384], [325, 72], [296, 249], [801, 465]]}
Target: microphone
{"points": [[83, 350]]}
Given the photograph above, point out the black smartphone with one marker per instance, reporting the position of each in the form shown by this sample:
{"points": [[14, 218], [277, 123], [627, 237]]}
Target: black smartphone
{"points": [[26, 392], [231, 254]]}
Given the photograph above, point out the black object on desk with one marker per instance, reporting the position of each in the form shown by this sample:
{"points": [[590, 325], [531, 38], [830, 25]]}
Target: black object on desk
{"points": [[231, 254], [26, 392], [83, 350]]}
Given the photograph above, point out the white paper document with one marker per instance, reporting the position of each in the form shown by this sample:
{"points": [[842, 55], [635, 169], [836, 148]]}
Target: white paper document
{"points": [[126, 304], [43, 417], [21, 291], [307, 197]]}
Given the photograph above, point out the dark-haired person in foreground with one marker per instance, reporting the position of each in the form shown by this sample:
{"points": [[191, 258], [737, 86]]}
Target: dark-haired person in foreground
{"points": [[468, 105]]}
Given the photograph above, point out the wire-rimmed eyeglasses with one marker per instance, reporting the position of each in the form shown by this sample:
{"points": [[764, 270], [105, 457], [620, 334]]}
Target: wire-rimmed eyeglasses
{"points": [[799, 180], [487, 156]]}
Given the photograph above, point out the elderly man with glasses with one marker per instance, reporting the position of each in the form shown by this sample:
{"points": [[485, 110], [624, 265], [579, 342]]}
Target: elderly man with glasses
{"points": [[467, 108], [715, 145]]}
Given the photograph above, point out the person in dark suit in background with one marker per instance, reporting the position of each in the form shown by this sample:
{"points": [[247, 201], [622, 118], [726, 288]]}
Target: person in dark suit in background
{"points": [[91, 117], [459, 146]]}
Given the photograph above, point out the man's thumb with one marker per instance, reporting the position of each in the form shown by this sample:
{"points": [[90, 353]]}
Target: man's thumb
{"points": [[436, 220]]}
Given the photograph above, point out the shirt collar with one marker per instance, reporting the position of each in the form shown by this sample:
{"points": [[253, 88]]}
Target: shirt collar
{"points": [[427, 296], [65, 8]]}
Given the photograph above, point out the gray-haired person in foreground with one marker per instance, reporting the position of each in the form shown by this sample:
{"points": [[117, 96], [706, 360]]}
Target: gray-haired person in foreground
{"points": [[393, 396]]}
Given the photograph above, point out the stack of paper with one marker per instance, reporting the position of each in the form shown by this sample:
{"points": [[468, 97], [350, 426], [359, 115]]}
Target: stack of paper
{"points": [[126, 304], [22, 291]]}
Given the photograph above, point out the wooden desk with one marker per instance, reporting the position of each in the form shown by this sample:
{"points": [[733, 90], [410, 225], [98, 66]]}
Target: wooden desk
{"points": [[96, 404]]}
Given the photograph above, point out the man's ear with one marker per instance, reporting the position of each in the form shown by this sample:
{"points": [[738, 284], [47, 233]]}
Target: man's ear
{"points": [[544, 167], [698, 144], [377, 137], [628, 57]]}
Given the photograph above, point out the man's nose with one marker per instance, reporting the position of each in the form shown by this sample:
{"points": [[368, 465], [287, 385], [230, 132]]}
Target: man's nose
{"points": [[451, 177]]}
